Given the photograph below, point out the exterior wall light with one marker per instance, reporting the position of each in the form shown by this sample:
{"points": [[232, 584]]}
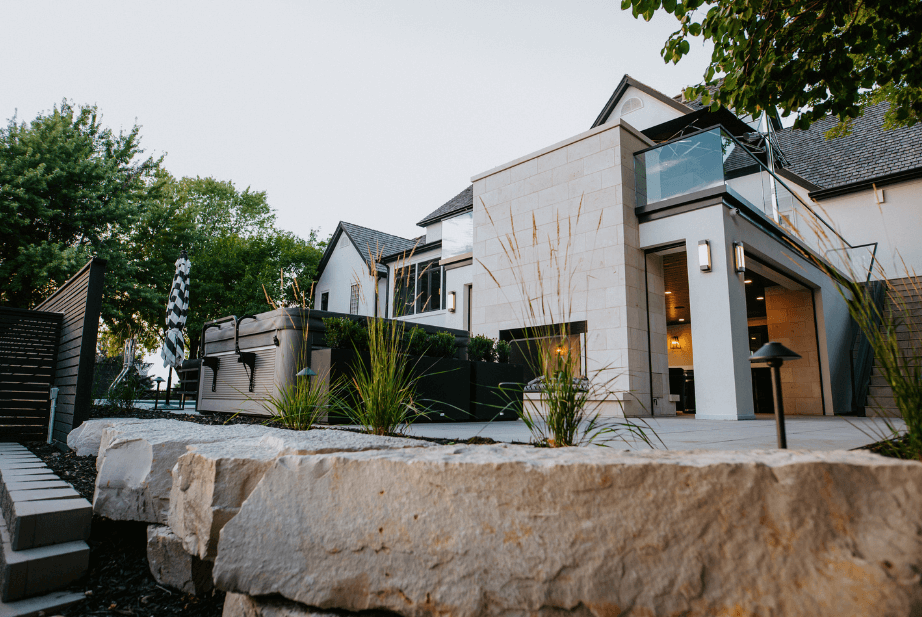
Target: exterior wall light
{"points": [[675, 343], [740, 254], [704, 255], [452, 302]]}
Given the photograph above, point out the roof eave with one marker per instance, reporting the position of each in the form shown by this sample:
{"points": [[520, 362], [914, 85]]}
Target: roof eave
{"points": [[626, 82], [435, 219]]}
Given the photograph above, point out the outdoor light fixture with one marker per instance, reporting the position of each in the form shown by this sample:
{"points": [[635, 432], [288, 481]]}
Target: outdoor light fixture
{"points": [[760, 297], [704, 255], [451, 302], [668, 292], [675, 343], [747, 281], [306, 372], [159, 381], [774, 354], [681, 319], [740, 254]]}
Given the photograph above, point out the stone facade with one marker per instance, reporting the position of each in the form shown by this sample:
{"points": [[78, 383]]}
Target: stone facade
{"points": [[557, 230], [791, 322]]}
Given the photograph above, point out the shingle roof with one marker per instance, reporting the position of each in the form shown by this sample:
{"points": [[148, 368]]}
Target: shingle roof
{"points": [[867, 153], [371, 242], [459, 203]]}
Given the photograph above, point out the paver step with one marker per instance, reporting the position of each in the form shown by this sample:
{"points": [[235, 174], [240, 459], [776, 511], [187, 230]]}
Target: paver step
{"points": [[36, 571], [48, 604], [38, 513]]}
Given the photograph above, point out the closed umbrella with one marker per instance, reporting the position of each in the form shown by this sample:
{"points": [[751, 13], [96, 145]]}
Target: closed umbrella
{"points": [[173, 350]]}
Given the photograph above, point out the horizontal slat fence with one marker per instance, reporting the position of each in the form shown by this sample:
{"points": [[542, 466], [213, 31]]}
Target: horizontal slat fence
{"points": [[28, 357], [80, 300]]}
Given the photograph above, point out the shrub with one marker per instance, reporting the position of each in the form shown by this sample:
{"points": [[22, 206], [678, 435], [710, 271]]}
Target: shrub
{"points": [[344, 333], [417, 342], [300, 405], [442, 345], [480, 349], [503, 351]]}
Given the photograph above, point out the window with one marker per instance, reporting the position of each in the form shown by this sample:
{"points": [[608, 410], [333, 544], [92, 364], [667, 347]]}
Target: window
{"points": [[428, 287], [405, 291], [325, 301], [632, 104], [458, 235], [354, 300]]}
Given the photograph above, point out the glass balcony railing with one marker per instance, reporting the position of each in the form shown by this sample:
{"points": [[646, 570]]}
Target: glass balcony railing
{"points": [[713, 158]]}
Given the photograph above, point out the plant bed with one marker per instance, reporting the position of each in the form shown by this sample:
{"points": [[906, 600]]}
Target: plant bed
{"points": [[336, 364], [488, 403]]}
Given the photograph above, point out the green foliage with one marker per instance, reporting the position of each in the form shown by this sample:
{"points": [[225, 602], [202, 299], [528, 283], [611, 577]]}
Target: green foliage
{"points": [[480, 349], [120, 398], [442, 345], [385, 390], [801, 56], [503, 351], [417, 342], [345, 333], [300, 405]]}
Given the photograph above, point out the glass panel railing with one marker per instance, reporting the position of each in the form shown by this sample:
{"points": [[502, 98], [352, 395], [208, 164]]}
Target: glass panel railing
{"points": [[714, 158]]}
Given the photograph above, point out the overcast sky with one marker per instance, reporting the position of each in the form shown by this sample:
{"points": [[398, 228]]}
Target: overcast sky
{"points": [[370, 112]]}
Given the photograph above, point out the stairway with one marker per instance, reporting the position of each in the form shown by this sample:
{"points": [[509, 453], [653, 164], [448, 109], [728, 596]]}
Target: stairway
{"points": [[44, 524], [880, 396]]}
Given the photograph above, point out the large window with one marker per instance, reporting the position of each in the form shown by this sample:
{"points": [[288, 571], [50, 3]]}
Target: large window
{"points": [[418, 288], [325, 301], [354, 300], [458, 235]]}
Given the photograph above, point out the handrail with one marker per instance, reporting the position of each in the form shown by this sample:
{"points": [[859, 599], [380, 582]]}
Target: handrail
{"points": [[861, 353]]}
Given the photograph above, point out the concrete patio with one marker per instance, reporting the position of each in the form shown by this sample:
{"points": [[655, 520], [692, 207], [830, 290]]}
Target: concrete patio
{"points": [[687, 433]]}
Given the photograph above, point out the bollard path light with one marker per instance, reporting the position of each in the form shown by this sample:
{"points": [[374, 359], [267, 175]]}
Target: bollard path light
{"points": [[774, 354], [307, 372], [159, 381]]}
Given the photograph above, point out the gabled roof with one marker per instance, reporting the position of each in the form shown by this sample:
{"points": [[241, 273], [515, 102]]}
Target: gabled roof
{"points": [[868, 153], [459, 203], [368, 243], [626, 82]]}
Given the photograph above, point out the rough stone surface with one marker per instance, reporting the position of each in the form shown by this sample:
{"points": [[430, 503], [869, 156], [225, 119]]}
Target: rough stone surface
{"points": [[84, 440], [240, 605], [134, 463], [211, 481], [172, 566], [491, 530]]}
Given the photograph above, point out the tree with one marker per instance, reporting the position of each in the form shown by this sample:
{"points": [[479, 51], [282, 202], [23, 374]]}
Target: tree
{"points": [[69, 189], [809, 57]]}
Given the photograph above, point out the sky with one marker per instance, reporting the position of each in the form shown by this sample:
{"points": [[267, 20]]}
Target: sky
{"points": [[374, 113]]}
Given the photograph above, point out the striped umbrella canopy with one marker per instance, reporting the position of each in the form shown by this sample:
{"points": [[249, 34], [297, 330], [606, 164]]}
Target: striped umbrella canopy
{"points": [[173, 350]]}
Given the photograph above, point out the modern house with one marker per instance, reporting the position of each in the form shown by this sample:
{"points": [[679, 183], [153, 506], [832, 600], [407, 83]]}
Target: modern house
{"points": [[667, 243]]}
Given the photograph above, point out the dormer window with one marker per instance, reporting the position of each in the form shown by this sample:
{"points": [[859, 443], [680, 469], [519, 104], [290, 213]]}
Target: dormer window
{"points": [[632, 104]]}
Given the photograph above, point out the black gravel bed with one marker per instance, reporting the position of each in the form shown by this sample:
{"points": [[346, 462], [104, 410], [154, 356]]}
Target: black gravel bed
{"points": [[119, 581]]}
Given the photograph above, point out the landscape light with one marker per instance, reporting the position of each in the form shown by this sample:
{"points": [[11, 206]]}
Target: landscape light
{"points": [[704, 255], [775, 354]]}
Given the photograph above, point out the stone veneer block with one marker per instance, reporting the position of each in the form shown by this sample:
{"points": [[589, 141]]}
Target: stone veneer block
{"points": [[15, 475], [476, 531], [33, 491], [172, 566], [135, 459], [211, 481], [241, 605], [35, 571], [49, 604], [43, 523]]}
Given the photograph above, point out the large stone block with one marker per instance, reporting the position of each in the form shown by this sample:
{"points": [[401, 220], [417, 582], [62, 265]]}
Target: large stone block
{"points": [[84, 440], [492, 530], [170, 565], [211, 481], [134, 463], [240, 605]]}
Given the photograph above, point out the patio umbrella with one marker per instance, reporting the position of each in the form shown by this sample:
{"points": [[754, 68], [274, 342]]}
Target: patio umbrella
{"points": [[173, 350]]}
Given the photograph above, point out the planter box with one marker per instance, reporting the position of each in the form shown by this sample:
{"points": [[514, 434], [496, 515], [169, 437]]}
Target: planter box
{"points": [[487, 401], [339, 363], [443, 387]]}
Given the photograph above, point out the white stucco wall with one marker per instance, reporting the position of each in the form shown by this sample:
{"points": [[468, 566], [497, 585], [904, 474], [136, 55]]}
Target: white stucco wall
{"points": [[579, 194], [652, 113], [344, 268], [895, 224]]}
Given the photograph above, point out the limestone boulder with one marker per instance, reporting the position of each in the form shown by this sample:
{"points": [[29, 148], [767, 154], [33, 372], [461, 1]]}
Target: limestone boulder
{"points": [[502, 530], [211, 481], [135, 461], [173, 567], [240, 605], [84, 440]]}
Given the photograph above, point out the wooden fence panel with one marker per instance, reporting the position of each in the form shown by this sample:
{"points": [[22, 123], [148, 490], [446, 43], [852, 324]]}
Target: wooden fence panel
{"points": [[28, 355], [80, 300]]}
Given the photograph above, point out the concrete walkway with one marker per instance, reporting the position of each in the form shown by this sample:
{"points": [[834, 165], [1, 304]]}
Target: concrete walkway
{"points": [[687, 433]]}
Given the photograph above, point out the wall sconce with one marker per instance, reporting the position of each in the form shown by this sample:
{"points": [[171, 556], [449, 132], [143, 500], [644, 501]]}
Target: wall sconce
{"points": [[740, 256], [451, 302], [675, 343], [560, 350], [704, 255]]}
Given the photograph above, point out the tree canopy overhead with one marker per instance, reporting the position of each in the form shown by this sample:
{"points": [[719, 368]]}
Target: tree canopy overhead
{"points": [[808, 57]]}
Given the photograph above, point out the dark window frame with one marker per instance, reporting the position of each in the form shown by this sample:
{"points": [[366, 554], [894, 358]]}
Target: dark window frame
{"points": [[354, 299], [325, 301]]}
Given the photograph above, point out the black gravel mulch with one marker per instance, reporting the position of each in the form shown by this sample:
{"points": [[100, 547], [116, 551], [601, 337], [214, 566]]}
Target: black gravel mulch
{"points": [[119, 581]]}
